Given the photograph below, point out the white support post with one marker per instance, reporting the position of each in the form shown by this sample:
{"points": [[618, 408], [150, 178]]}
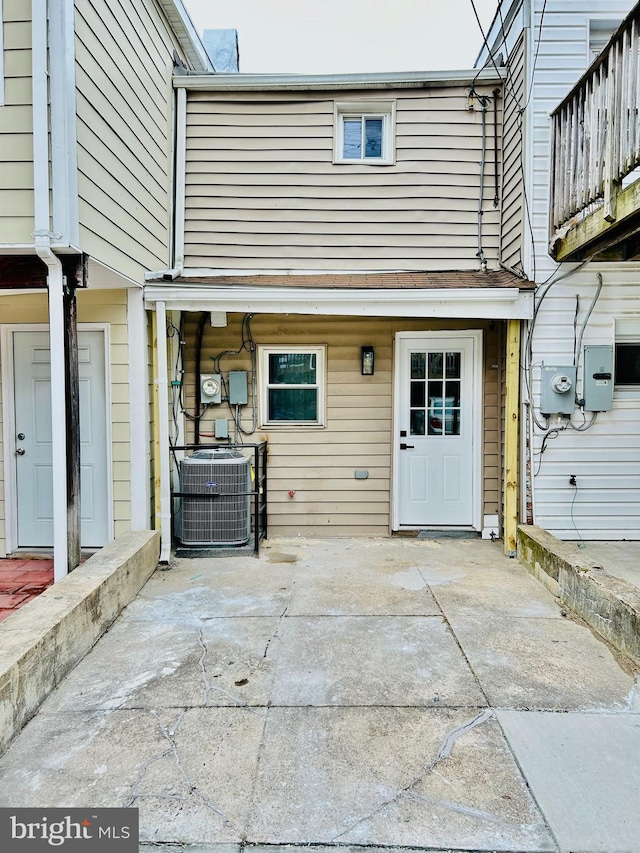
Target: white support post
{"points": [[139, 415], [58, 420], [163, 431]]}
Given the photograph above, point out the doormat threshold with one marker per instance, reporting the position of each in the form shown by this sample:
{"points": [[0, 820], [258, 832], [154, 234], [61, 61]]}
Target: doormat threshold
{"points": [[448, 534]]}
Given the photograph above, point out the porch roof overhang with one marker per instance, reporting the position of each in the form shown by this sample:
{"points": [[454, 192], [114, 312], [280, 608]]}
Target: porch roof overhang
{"points": [[327, 82], [470, 295]]}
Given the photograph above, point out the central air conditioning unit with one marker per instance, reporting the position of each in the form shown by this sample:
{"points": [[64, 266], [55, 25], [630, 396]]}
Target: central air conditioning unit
{"points": [[223, 520]]}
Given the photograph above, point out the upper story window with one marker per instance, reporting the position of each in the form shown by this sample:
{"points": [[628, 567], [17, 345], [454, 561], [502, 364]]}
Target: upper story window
{"points": [[364, 132]]}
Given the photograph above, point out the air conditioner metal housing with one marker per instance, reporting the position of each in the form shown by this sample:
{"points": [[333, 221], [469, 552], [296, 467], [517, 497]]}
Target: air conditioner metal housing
{"points": [[223, 520]]}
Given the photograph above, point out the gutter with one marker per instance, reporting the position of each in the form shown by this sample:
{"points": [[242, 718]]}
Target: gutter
{"points": [[315, 82]]}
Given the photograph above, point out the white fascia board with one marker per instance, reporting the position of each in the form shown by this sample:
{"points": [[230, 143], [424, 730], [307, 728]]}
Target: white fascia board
{"points": [[484, 303], [310, 82], [509, 9], [180, 20]]}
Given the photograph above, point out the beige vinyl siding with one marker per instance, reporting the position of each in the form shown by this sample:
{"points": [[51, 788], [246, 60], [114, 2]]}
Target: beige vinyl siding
{"points": [[94, 306], [262, 191], [124, 60], [16, 126], [511, 228], [319, 463]]}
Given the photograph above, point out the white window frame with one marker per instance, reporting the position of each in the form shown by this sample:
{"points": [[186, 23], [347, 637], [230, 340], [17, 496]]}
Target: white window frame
{"points": [[386, 110], [263, 376]]}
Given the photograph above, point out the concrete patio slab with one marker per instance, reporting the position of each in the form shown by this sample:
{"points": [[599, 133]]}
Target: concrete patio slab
{"points": [[497, 588], [209, 596], [151, 760], [541, 663], [219, 662], [573, 765], [372, 660], [371, 776], [231, 718], [398, 593]]}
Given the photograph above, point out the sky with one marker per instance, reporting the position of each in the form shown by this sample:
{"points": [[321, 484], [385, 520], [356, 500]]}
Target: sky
{"points": [[342, 36]]}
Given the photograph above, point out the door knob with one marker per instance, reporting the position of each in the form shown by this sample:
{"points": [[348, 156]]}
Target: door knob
{"points": [[20, 451], [404, 446]]}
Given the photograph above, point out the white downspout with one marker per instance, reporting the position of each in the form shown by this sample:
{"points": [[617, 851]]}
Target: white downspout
{"points": [[180, 177], [163, 434], [55, 282], [139, 410]]}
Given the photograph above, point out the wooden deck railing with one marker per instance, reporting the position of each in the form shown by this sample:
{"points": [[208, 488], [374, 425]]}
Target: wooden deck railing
{"points": [[595, 132]]}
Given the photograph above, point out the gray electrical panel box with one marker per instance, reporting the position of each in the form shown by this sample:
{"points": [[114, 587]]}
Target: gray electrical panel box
{"points": [[238, 387], [558, 390], [597, 384]]}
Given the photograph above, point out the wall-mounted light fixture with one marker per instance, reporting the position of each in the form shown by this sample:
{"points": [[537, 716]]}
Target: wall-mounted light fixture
{"points": [[367, 361]]}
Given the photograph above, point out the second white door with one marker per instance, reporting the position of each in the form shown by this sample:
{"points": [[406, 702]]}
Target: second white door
{"points": [[33, 448]]}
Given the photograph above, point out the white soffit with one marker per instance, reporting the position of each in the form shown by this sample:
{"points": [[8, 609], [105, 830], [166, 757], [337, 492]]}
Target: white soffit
{"points": [[102, 277]]}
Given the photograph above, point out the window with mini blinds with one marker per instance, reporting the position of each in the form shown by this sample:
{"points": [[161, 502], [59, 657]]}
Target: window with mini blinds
{"points": [[364, 132], [292, 385]]}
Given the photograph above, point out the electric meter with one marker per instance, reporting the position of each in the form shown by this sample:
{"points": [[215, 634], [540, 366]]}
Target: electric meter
{"points": [[211, 388]]}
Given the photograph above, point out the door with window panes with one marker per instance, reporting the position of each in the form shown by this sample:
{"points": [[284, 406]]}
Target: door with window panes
{"points": [[435, 427]]}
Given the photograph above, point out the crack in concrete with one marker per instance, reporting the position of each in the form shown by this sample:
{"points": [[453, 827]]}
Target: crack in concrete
{"points": [[276, 633], [208, 687], [192, 788], [135, 793], [444, 752]]}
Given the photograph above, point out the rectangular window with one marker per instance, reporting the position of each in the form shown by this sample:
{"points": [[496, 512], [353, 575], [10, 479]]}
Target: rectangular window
{"points": [[364, 132], [627, 357], [627, 364], [292, 385]]}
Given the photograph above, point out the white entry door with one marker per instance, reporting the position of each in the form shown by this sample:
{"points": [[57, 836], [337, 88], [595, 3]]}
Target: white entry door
{"points": [[437, 430], [34, 483]]}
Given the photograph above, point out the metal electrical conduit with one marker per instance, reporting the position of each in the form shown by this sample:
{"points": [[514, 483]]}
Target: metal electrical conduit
{"points": [[484, 103]]}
